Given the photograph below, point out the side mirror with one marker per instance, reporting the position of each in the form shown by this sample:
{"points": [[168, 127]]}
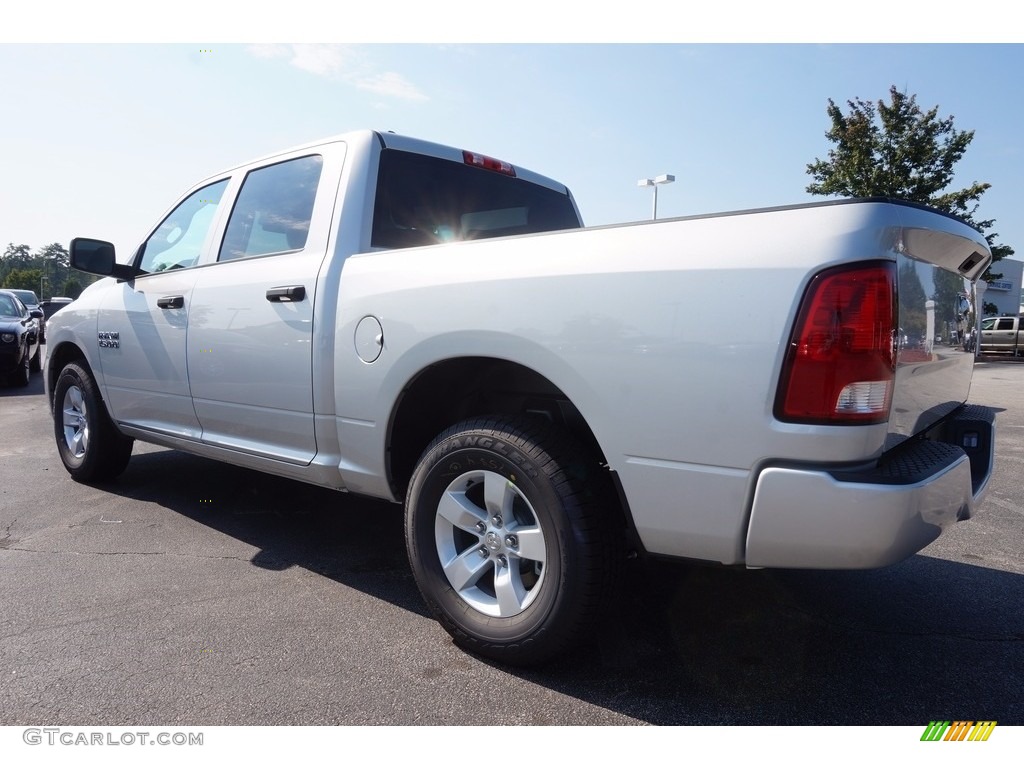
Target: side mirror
{"points": [[97, 258], [36, 313]]}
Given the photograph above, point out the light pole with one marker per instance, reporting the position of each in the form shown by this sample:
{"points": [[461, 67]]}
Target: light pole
{"points": [[665, 178], [42, 274]]}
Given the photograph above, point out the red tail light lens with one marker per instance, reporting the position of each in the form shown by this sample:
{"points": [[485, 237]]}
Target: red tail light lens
{"points": [[841, 361]]}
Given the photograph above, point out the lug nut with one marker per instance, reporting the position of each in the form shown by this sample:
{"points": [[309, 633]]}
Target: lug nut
{"points": [[482, 552], [496, 521], [503, 561], [481, 527], [511, 541]]}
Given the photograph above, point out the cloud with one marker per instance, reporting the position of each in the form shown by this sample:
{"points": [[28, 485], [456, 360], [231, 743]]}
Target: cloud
{"points": [[341, 63], [325, 60], [390, 84]]}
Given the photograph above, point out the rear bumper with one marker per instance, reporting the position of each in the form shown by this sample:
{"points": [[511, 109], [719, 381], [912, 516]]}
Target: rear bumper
{"points": [[874, 516]]}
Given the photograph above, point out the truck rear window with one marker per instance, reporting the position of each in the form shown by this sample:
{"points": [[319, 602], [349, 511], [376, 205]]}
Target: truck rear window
{"points": [[422, 200]]}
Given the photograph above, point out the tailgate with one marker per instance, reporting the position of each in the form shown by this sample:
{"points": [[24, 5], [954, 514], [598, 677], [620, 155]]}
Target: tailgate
{"points": [[939, 261]]}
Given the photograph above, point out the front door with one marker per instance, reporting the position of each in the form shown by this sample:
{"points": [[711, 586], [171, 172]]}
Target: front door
{"points": [[143, 323]]}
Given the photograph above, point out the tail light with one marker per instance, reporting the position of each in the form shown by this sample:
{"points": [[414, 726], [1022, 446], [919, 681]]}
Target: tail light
{"points": [[841, 361]]}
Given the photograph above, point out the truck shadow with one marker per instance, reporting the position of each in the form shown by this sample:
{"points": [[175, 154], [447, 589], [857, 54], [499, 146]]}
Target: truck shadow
{"points": [[923, 640], [355, 541], [897, 646]]}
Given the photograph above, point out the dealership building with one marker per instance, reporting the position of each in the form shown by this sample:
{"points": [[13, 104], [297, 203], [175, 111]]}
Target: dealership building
{"points": [[1005, 292]]}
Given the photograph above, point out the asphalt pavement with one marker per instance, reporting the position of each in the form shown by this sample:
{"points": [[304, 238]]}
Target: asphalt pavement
{"points": [[194, 593]]}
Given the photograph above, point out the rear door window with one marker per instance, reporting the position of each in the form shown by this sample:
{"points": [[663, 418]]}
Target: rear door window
{"points": [[273, 209]]}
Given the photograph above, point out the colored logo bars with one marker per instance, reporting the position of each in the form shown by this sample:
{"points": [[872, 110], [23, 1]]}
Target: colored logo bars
{"points": [[958, 730]]}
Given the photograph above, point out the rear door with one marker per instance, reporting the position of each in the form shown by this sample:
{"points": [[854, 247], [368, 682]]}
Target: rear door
{"points": [[250, 335]]}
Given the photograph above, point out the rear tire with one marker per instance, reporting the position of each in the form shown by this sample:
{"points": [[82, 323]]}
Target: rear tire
{"points": [[89, 444], [509, 537]]}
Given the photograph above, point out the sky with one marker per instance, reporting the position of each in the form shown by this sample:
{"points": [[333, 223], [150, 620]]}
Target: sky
{"points": [[99, 139]]}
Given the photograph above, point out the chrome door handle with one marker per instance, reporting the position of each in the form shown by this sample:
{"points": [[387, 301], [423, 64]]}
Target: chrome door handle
{"points": [[171, 302], [287, 293]]}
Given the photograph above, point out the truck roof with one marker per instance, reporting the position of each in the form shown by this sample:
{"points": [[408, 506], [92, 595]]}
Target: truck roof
{"points": [[390, 140]]}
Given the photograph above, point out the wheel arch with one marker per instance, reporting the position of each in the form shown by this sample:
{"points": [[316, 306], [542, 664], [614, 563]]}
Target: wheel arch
{"points": [[456, 389], [57, 358]]}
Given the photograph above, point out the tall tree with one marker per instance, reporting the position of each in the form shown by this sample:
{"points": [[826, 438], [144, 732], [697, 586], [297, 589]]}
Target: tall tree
{"points": [[15, 257], [898, 150], [54, 260]]}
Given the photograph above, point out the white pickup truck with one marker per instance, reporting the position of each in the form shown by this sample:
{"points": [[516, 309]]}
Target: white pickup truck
{"points": [[426, 325]]}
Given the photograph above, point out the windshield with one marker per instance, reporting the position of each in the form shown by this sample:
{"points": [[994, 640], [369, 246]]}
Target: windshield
{"points": [[8, 306], [27, 297]]}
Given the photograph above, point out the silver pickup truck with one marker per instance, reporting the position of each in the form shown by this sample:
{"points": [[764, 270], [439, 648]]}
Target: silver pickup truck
{"points": [[1001, 336], [434, 327]]}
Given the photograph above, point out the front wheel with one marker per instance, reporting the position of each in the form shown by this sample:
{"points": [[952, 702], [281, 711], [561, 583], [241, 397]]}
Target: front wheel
{"points": [[22, 376], [89, 444], [508, 535]]}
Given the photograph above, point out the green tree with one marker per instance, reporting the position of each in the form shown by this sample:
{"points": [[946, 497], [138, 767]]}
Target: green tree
{"points": [[17, 256], [53, 260], [14, 257], [72, 288], [26, 279], [898, 150]]}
